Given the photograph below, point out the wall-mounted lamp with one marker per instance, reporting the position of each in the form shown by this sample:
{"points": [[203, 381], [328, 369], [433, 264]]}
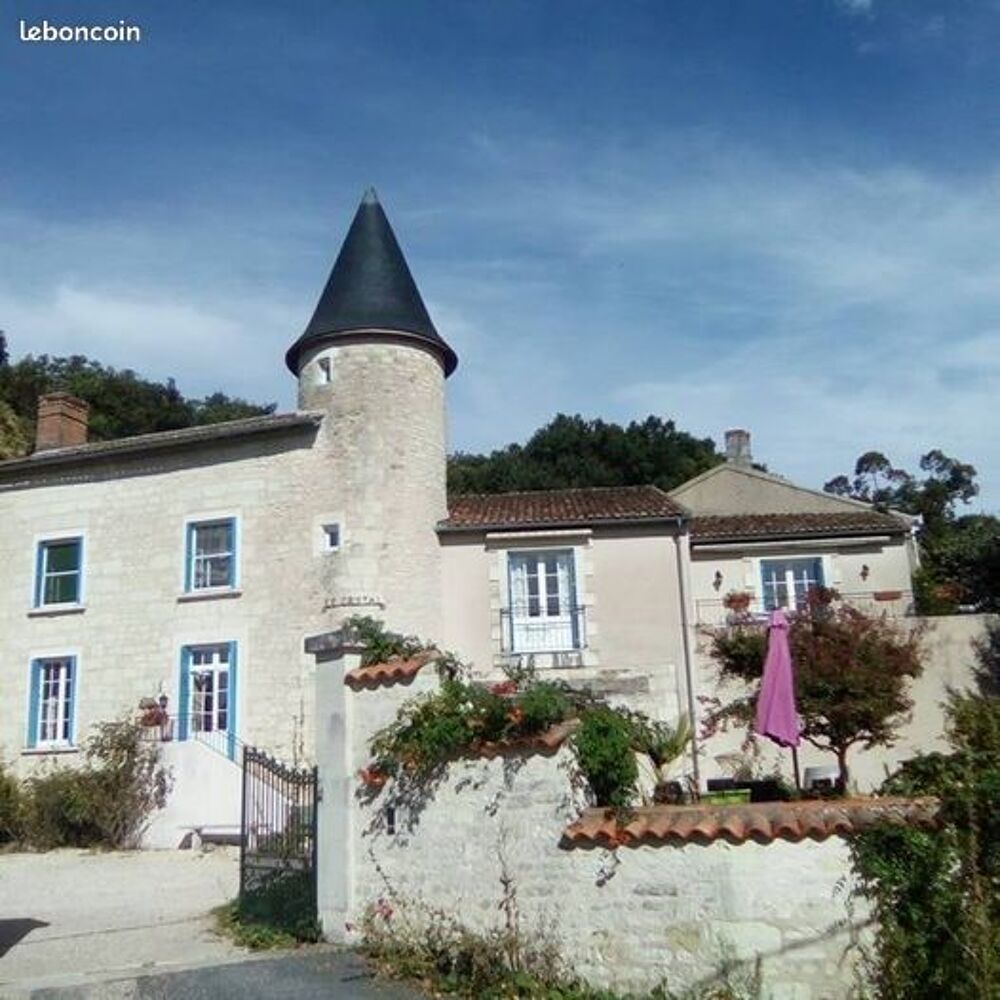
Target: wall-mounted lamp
{"points": [[865, 571], [717, 582]]}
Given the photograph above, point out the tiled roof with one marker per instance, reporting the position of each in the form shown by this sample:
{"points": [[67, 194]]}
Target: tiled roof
{"points": [[551, 508], [395, 671], [717, 528], [141, 443], [762, 822]]}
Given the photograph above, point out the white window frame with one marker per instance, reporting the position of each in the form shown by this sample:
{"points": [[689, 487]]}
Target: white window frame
{"points": [[191, 526], [40, 573], [66, 714], [562, 632], [825, 570]]}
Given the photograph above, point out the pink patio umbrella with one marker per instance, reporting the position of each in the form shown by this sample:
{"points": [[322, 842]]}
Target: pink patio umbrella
{"points": [[776, 717]]}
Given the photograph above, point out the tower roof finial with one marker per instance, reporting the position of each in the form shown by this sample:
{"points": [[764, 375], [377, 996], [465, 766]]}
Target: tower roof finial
{"points": [[371, 289]]}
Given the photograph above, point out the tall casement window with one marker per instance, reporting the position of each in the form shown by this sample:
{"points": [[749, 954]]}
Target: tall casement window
{"points": [[52, 692], [211, 555], [59, 572], [208, 695], [787, 582], [543, 615]]}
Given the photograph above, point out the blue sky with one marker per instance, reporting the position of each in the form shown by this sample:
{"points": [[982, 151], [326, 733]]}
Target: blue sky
{"points": [[780, 214]]}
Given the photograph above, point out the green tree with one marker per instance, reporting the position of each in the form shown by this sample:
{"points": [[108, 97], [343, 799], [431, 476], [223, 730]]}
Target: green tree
{"points": [[852, 675], [122, 403], [573, 452]]}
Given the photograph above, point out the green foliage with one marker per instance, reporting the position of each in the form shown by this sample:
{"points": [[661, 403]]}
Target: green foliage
{"points": [[936, 893], [604, 750], [432, 729], [106, 802], [10, 806], [852, 674], [279, 913], [121, 403], [960, 555], [574, 452]]}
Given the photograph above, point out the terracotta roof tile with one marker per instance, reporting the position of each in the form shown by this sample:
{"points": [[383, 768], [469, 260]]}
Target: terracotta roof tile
{"points": [[395, 671], [763, 822], [717, 528], [550, 508]]}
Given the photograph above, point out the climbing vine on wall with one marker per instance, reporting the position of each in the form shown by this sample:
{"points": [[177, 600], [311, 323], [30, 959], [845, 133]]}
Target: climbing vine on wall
{"points": [[463, 717]]}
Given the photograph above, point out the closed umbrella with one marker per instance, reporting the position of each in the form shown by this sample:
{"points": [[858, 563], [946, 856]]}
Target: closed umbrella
{"points": [[776, 716]]}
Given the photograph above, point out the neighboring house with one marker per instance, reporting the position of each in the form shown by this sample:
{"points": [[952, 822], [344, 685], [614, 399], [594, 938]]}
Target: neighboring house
{"points": [[190, 565], [757, 536]]}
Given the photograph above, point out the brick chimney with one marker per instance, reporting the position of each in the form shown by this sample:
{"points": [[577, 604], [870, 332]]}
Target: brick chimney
{"points": [[62, 421], [738, 447]]}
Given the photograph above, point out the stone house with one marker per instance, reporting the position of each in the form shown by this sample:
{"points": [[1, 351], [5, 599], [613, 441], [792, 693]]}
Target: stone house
{"points": [[190, 565]]}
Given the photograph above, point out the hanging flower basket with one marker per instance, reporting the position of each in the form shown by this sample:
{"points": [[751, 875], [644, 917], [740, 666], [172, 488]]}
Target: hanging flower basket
{"points": [[372, 777]]}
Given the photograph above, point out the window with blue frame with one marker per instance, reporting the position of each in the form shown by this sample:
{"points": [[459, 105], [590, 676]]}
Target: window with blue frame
{"points": [[786, 582], [211, 555], [59, 572], [207, 695], [51, 702]]}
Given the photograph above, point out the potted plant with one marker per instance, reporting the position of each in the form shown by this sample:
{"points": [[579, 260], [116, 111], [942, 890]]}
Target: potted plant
{"points": [[660, 746], [738, 601]]}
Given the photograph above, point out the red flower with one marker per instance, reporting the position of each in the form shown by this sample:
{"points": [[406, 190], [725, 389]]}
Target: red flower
{"points": [[504, 687]]}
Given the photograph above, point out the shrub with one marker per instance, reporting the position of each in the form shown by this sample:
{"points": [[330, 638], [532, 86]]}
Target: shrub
{"points": [[61, 809], [106, 802], [604, 750], [543, 705], [10, 807], [935, 892], [278, 913]]}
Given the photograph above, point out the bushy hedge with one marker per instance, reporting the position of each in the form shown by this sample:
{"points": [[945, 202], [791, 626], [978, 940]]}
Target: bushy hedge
{"points": [[106, 802]]}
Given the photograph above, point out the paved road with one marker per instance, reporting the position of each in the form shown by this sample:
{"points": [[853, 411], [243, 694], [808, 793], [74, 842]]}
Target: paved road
{"points": [[312, 974], [70, 917]]}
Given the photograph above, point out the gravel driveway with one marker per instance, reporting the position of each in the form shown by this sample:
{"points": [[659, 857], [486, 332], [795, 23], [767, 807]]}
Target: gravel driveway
{"points": [[69, 917]]}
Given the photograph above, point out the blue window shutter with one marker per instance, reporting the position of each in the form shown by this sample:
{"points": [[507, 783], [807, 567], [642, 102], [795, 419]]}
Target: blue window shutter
{"points": [[184, 694], [818, 573], [73, 695], [34, 693], [80, 596], [188, 552], [233, 692], [39, 582], [231, 526]]}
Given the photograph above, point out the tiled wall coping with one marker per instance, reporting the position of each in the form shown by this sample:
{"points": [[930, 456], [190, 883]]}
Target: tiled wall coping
{"points": [[761, 822]]}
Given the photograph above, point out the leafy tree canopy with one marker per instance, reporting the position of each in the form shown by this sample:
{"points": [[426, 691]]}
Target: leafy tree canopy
{"points": [[852, 675], [573, 452], [121, 402], [934, 496]]}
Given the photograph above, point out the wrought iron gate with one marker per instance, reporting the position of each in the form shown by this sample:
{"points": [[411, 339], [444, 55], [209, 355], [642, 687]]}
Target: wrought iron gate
{"points": [[278, 829]]}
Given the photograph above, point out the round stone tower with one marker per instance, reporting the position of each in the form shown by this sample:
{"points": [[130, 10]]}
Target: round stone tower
{"points": [[373, 363]]}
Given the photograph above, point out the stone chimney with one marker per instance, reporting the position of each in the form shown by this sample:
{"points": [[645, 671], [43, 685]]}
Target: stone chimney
{"points": [[738, 447], [62, 421]]}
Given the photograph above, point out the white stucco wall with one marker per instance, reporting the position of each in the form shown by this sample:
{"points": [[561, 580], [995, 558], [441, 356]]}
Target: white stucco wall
{"points": [[948, 663], [887, 561], [627, 581], [729, 489]]}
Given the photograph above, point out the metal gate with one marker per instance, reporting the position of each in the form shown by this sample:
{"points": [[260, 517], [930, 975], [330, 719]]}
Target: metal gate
{"points": [[278, 829]]}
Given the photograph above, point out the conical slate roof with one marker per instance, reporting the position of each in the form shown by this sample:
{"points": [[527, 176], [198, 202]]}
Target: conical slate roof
{"points": [[370, 288]]}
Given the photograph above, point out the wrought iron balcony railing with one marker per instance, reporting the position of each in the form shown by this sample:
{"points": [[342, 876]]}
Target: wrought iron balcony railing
{"points": [[522, 632], [892, 603]]}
